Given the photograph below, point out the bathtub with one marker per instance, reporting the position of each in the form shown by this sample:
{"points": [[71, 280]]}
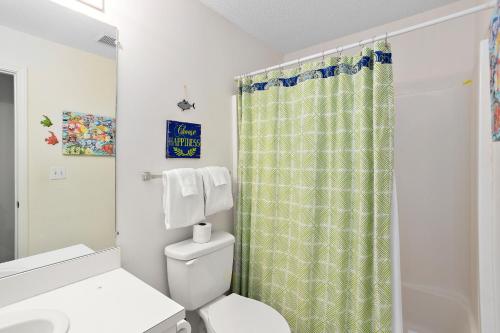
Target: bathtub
{"points": [[433, 310]]}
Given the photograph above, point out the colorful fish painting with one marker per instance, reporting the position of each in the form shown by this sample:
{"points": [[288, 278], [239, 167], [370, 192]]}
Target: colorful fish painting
{"points": [[88, 134]]}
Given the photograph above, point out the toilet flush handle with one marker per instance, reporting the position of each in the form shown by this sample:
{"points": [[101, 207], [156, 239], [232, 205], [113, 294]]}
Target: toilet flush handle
{"points": [[183, 327], [190, 262]]}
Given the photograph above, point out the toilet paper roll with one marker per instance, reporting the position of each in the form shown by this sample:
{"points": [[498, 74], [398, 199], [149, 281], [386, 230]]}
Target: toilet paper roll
{"points": [[202, 232]]}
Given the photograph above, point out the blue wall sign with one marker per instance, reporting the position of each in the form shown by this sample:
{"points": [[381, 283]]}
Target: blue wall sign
{"points": [[183, 140]]}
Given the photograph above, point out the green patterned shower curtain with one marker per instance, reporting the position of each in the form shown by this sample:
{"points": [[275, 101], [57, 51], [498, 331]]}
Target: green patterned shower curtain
{"points": [[315, 186]]}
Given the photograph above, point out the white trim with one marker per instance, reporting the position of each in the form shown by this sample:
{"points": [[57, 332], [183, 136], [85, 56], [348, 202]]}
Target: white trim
{"points": [[234, 134], [426, 24], [488, 253], [397, 298], [21, 155], [85, 9]]}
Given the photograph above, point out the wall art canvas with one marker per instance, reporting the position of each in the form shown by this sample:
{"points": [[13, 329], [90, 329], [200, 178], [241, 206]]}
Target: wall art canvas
{"points": [[183, 140], [88, 134], [495, 73]]}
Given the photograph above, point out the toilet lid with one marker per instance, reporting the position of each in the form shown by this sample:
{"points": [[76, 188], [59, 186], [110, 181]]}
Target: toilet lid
{"points": [[236, 313]]}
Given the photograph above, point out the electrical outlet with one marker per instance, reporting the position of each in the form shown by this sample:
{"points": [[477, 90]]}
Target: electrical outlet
{"points": [[57, 173]]}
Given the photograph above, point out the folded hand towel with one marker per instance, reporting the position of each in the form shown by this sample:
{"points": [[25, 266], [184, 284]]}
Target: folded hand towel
{"points": [[217, 197], [187, 179], [220, 175], [180, 210]]}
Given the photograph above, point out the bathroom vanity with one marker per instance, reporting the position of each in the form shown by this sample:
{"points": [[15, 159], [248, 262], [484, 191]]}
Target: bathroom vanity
{"points": [[115, 301], [91, 293]]}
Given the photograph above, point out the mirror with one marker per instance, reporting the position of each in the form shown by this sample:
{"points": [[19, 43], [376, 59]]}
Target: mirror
{"points": [[57, 134]]}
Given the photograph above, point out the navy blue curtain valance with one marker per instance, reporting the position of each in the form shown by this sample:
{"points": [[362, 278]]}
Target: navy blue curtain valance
{"points": [[321, 73]]}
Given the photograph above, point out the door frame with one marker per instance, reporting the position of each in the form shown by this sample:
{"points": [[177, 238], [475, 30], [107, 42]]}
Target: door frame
{"points": [[488, 230], [19, 74]]}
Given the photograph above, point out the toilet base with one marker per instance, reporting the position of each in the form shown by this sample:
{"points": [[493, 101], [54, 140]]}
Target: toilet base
{"points": [[203, 313]]}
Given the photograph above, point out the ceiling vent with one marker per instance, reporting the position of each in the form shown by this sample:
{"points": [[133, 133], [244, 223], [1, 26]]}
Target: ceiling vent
{"points": [[108, 40]]}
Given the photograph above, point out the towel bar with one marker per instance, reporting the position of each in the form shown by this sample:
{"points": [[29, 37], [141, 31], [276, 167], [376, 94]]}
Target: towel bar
{"points": [[147, 175]]}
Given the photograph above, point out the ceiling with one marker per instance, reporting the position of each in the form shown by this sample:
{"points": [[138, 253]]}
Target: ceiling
{"points": [[48, 20], [291, 25]]}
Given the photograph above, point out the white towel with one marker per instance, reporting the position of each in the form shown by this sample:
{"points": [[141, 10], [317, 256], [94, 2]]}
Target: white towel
{"points": [[182, 211], [187, 179], [217, 197], [220, 175]]}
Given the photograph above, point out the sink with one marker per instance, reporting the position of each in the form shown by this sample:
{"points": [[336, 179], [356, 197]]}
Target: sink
{"points": [[34, 321]]}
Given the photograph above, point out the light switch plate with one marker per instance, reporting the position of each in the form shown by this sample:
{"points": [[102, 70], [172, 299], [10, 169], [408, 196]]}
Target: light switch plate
{"points": [[57, 173]]}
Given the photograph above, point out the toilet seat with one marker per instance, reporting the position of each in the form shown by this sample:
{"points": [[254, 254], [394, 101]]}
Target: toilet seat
{"points": [[236, 313]]}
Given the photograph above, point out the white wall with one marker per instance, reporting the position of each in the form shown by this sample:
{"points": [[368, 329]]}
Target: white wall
{"points": [[79, 209], [164, 46], [434, 164], [7, 185]]}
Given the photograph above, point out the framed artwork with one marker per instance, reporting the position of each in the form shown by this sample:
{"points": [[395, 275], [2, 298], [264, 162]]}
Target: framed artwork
{"points": [[183, 140], [88, 134]]}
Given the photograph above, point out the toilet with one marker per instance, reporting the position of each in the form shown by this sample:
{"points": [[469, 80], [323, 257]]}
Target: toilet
{"points": [[199, 275]]}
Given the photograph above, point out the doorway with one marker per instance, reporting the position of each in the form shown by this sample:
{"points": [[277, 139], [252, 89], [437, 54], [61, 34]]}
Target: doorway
{"points": [[13, 162], [7, 169]]}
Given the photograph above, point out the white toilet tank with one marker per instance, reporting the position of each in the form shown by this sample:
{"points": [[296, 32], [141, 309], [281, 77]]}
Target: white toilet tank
{"points": [[199, 273]]}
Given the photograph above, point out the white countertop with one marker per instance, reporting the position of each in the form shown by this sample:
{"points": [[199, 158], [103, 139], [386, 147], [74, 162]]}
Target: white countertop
{"points": [[115, 301]]}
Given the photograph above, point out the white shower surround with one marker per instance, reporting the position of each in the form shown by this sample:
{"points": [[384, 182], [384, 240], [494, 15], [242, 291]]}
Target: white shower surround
{"points": [[438, 244], [397, 302]]}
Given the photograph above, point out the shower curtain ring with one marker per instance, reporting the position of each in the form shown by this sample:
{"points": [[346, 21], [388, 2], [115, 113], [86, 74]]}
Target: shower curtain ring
{"points": [[386, 35], [323, 58]]}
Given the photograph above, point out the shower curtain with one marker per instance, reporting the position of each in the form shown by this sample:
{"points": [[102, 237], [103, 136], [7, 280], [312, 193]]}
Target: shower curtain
{"points": [[315, 170]]}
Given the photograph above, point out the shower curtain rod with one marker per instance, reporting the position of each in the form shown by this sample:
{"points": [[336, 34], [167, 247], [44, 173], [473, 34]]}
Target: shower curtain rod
{"points": [[446, 18]]}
